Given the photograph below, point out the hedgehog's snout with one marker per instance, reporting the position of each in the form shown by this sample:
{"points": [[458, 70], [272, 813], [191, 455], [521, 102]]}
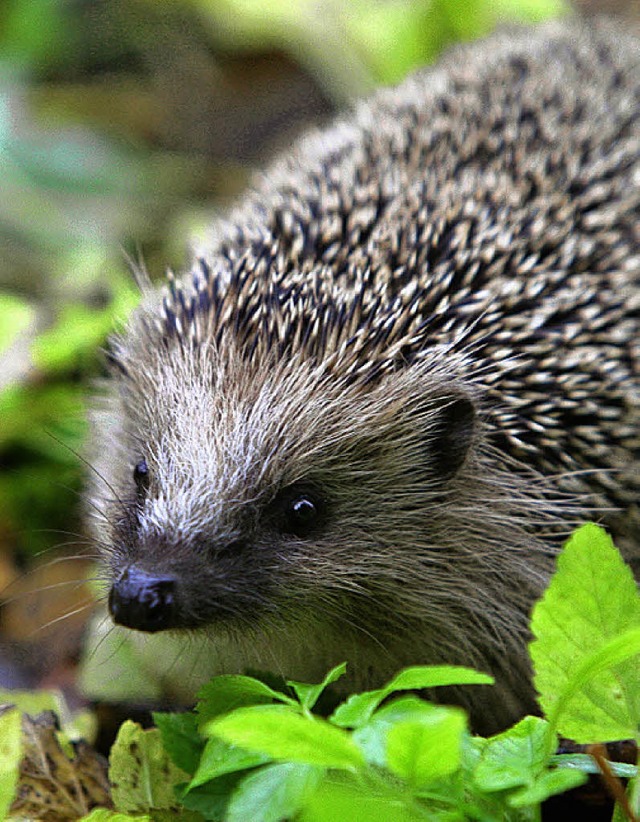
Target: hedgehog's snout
{"points": [[143, 601]]}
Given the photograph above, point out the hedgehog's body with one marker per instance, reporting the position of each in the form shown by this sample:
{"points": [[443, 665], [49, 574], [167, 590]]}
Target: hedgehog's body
{"points": [[408, 363]]}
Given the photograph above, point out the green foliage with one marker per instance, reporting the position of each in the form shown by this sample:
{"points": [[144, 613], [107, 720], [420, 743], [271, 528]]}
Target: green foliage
{"points": [[37, 31], [359, 708], [252, 751], [274, 792], [235, 691], [10, 753], [42, 426], [255, 752], [104, 815], [587, 629], [309, 694], [280, 733], [18, 315], [141, 771], [357, 44]]}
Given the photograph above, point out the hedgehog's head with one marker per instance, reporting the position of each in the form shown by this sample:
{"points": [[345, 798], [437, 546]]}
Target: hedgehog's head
{"points": [[251, 487]]}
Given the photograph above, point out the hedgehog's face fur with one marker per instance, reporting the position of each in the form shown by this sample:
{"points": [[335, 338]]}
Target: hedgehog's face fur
{"points": [[241, 482], [272, 503]]}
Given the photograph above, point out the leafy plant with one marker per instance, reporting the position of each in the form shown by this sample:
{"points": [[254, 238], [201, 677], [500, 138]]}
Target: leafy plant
{"points": [[253, 751]]}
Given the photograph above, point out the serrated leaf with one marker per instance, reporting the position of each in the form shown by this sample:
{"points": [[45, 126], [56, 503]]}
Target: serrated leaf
{"points": [[181, 739], [141, 773], [309, 694], [10, 755], [273, 793], [282, 734], [592, 599], [547, 784], [612, 654], [359, 708], [429, 748], [220, 757], [515, 757], [228, 692]]}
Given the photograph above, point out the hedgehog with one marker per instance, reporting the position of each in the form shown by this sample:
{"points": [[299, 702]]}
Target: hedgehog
{"points": [[393, 379]]}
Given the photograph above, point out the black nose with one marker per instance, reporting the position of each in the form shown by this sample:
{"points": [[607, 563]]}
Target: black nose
{"points": [[146, 602]]}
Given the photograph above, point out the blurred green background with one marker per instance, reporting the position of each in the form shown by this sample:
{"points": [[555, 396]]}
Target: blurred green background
{"points": [[124, 124]]}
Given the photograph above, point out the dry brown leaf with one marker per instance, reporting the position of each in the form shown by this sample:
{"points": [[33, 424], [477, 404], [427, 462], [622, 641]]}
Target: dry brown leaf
{"points": [[56, 784]]}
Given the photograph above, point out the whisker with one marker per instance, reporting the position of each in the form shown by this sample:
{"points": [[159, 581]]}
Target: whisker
{"points": [[78, 583], [105, 636], [87, 463], [83, 607]]}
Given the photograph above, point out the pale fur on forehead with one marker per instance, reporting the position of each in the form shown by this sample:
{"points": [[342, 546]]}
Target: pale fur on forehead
{"points": [[215, 386], [219, 433], [207, 414]]}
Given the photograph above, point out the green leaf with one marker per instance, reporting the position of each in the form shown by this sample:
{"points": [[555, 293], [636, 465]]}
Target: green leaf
{"points": [[280, 733], [212, 798], [309, 694], [228, 692], [533, 10], [429, 748], [37, 33], [618, 650], [220, 757], [515, 757], [181, 739], [78, 332], [29, 413], [359, 708], [391, 34], [141, 773], [104, 815], [34, 702], [434, 676], [591, 600], [548, 784], [372, 737], [273, 793], [10, 755], [337, 800], [17, 315]]}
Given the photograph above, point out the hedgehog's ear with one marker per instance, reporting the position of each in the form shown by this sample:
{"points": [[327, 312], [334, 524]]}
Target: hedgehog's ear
{"points": [[450, 434]]}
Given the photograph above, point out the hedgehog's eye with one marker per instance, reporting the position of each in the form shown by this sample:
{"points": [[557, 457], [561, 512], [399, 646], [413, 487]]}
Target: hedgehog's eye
{"points": [[141, 477], [302, 514], [301, 511]]}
